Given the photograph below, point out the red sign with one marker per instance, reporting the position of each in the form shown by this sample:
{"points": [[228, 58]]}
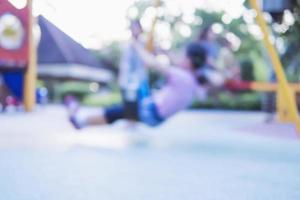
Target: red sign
{"points": [[14, 33]]}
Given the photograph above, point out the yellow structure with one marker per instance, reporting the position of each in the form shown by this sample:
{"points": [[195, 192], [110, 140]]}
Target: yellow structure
{"points": [[31, 72], [286, 106], [272, 87], [150, 42]]}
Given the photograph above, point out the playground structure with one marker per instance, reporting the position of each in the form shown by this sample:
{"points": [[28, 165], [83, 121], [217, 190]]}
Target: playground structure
{"points": [[60, 58], [286, 101], [21, 55], [31, 72], [286, 106]]}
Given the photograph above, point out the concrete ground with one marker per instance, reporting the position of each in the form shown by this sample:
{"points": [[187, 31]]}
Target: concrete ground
{"points": [[195, 155]]}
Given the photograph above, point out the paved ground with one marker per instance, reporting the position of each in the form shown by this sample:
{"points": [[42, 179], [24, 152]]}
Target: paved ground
{"points": [[196, 155]]}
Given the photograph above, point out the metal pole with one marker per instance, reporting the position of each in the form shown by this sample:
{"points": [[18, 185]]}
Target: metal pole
{"points": [[150, 42], [290, 102], [31, 71]]}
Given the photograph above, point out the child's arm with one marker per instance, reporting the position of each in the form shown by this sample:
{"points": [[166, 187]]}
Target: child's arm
{"points": [[150, 60]]}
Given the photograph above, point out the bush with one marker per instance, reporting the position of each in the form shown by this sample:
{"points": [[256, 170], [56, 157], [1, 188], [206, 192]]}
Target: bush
{"points": [[103, 100], [242, 101]]}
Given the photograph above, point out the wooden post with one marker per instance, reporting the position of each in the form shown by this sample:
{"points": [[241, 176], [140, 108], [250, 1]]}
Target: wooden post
{"points": [[31, 71], [285, 90]]}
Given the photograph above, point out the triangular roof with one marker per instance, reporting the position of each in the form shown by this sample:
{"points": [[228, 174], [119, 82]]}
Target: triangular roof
{"points": [[61, 57], [64, 50]]}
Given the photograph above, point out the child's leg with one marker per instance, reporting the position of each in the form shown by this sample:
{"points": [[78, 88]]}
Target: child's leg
{"points": [[96, 120], [108, 116]]}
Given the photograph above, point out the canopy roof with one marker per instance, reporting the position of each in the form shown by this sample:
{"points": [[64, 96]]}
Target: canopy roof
{"points": [[61, 56]]}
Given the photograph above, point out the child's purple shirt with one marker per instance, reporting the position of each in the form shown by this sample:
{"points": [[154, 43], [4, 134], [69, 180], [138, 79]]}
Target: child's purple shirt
{"points": [[177, 94]]}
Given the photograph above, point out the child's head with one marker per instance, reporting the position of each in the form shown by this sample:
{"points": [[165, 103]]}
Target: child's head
{"points": [[195, 56], [136, 28]]}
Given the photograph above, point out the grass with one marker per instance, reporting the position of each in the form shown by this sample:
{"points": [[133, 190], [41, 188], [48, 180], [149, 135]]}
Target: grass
{"points": [[102, 100]]}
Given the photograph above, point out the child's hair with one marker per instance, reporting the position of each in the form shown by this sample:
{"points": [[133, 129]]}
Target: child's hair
{"points": [[197, 54]]}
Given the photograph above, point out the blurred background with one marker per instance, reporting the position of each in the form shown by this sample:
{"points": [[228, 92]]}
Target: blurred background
{"points": [[228, 145], [93, 38]]}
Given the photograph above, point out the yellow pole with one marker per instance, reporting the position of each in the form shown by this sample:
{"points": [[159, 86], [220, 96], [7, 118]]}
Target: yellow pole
{"points": [[284, 86], [31, 71], [150, 42]]}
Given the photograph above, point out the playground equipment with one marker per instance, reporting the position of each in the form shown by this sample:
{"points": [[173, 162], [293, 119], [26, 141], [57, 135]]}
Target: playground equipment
{"points": [[267, 87], [287, 107], [17, 47], [67, 60], [31, 72], [150, 41], [258, 86]]}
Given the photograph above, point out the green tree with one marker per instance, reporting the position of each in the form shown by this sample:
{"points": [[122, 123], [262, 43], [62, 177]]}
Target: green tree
{"points": [[250, 48], [291, 38]]}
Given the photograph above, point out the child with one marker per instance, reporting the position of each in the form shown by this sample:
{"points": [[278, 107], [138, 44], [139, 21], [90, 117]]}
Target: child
{"points": [[177, 94], [133, 77]]}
